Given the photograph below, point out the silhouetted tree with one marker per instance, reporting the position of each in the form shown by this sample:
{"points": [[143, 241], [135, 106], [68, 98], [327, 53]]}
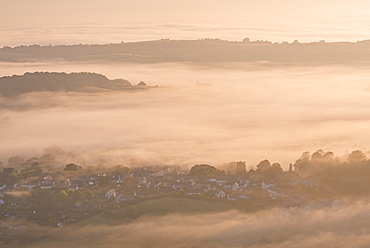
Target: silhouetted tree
{"points": [[73, 167], [205, 170], [356, 157], [263, 165]]}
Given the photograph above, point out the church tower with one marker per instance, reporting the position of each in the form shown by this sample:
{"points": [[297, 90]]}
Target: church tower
{"points": [[241, 168]]}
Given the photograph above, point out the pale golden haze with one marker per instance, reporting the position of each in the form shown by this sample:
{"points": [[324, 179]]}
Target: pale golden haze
{"points": [[217, 102], [68, 22]]}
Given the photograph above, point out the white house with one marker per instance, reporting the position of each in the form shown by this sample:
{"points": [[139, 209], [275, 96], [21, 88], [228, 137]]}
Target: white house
{"points": [[111, 194], [29, 186], [73, 186], [235, 186], [267, 186], [220, 194]]}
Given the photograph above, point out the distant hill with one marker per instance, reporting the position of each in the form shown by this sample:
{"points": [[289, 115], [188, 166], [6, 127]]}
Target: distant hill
{"points": [[198, 51], [53, 81]]}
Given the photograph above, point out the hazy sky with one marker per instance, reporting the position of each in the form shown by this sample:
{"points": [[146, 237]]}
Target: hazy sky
{"points": [[98, 21]]}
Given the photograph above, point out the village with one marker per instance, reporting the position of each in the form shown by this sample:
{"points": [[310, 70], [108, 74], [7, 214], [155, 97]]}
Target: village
{"points": [[55, 199]]}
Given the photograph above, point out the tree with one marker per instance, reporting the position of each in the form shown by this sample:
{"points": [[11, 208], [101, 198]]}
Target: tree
{"points": [[205, 170], [62, 199], [15, 161], [72, 167], [34, 171], [8, 170], [103, 181], [78, 195], [263, 165], [47, 159], [356, 157], [9, 176], [43, 199], [302, 162], [120, 169]]}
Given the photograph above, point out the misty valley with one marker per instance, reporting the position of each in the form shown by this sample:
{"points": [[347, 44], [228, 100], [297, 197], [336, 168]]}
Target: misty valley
{"points": [[47, 205], [205, 143]]}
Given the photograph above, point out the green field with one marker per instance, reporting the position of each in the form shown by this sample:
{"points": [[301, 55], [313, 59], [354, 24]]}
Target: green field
{"points": [[158, 207], [182, 205], [117, 226]]}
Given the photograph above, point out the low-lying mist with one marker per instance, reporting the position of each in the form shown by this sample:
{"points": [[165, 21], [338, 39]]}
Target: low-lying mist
{"points": [[337, 226], [197, 115]]}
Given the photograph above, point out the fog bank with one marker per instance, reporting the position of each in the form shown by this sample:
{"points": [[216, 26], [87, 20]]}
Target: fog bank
{"points": [[197, 115], [337, 226]]}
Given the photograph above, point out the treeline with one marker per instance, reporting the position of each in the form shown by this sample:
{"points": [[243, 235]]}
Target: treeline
{"points": [[349, 177], [53, 81], [202, 51], [324, 168]]}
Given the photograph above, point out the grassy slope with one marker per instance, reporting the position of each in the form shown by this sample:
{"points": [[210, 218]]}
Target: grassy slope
{"points": [[75, 234], [166, 205]]}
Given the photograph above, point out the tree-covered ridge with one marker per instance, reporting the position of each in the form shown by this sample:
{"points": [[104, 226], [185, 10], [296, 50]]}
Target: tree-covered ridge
{"points": [[54, 81], [198, 51]]}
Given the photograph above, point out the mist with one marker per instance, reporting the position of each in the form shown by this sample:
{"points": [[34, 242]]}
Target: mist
{"points": [[199, 114], [341, 225]]}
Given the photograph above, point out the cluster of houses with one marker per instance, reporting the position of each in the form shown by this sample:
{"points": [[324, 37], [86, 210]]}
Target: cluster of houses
{"points": [[147, 183], [228, 187], [49, 183]]}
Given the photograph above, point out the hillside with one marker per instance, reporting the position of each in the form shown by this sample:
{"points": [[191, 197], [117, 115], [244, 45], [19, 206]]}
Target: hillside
{"points": [[197, 51], [53, 81]]}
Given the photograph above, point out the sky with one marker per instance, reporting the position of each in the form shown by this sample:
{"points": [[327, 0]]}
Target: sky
{"points": [[80, 21]]}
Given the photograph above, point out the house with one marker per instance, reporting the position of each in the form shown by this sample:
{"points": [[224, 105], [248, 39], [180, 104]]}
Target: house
{"points": [[178, 186], [221, 182], [73, 187], [144, 193], [48, 178], [235, 186], [241, 195], [111, 194], [244, 184], [29, 186], [47, 185], [220, 194], [231, 197], [166, 190], [3, 187], [115, 178], [192, 192], [267, 186], [67, 183], [274, 194]]}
